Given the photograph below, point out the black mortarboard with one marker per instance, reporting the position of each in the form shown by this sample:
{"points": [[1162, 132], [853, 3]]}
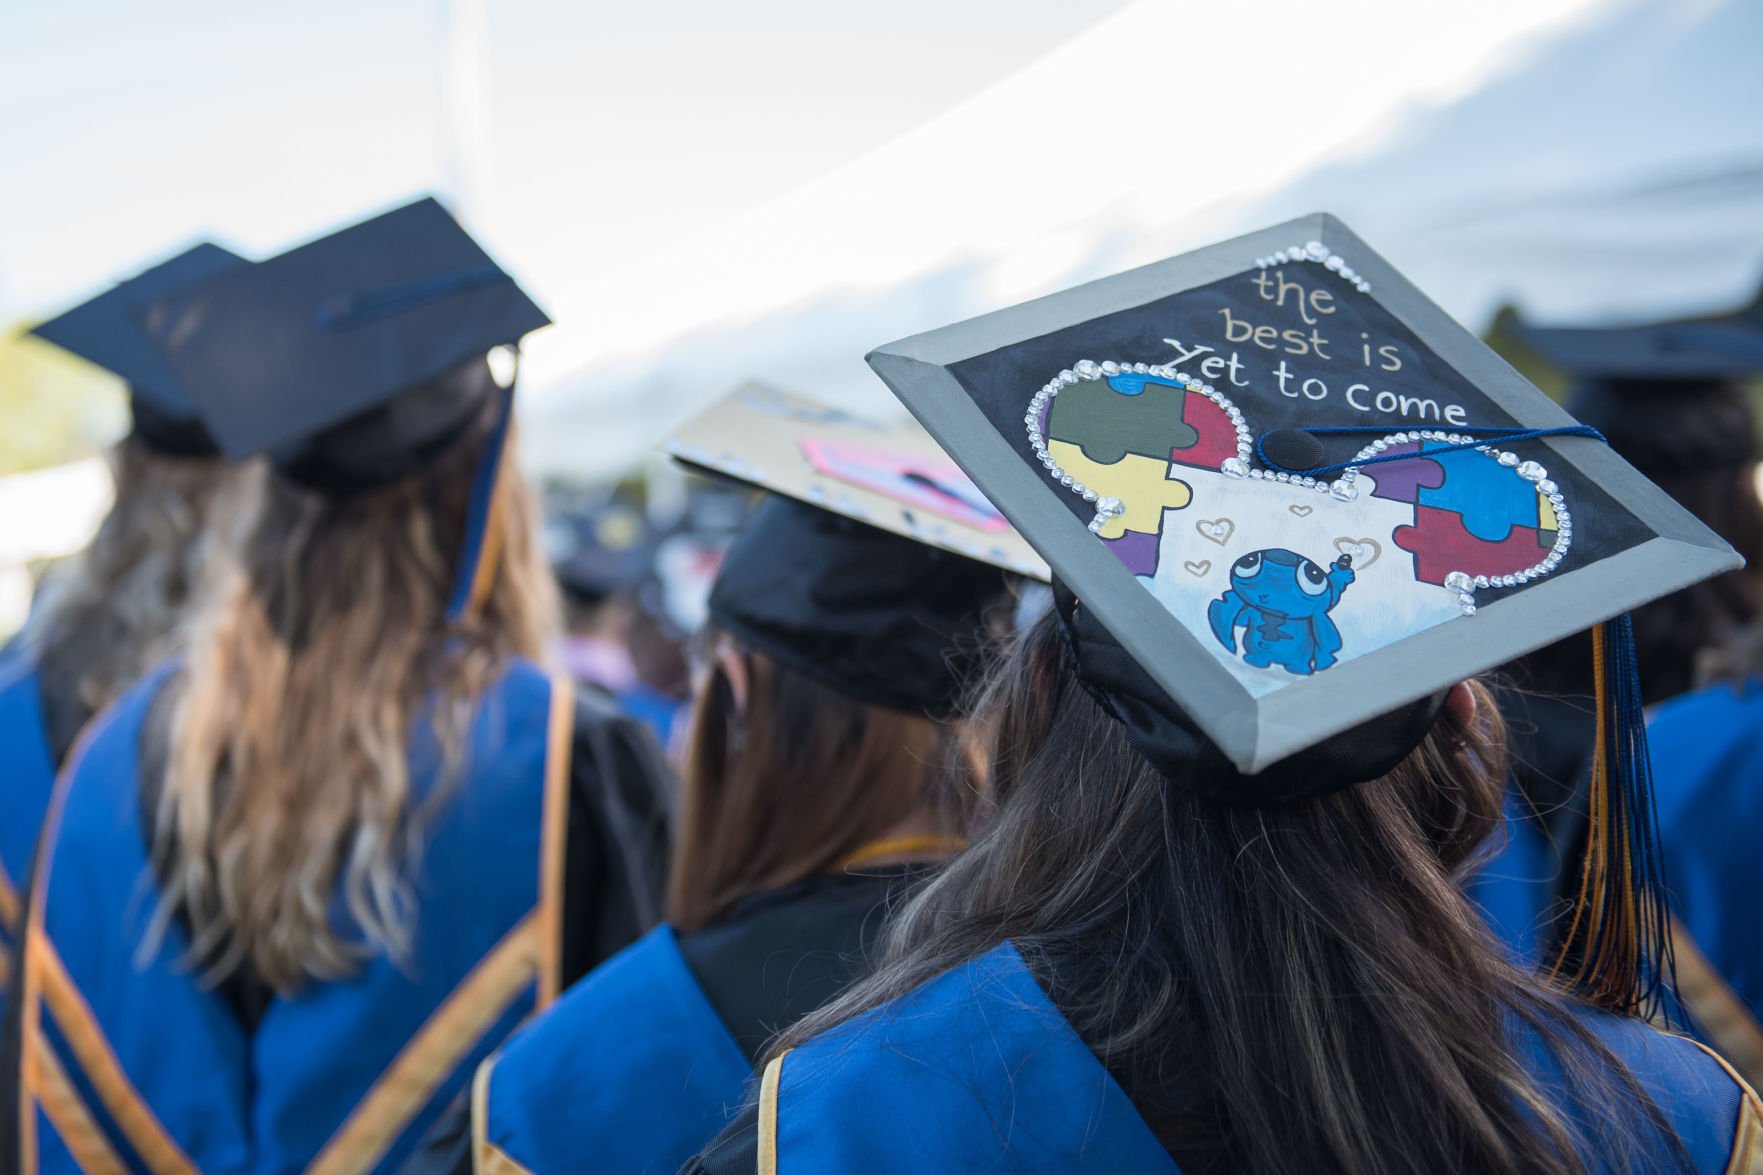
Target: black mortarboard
{"points": [[850, 572], [353, 359], [1290, 502], [1669, 397], [881, 618], [107, 331], [1703, 349]]}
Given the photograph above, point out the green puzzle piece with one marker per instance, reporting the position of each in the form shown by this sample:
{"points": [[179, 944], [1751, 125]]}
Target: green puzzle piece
{"points": [[1107, 424]]}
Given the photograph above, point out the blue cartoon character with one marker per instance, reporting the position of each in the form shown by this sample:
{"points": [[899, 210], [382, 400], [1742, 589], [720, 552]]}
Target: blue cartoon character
{"points": [[1281, 601]]}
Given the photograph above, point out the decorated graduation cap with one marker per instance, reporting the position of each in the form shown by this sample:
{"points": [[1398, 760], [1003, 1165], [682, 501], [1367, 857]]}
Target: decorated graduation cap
{"points": [[1669, 396], [1288, 503], [871, 566], [357, 360], [107, 331]]}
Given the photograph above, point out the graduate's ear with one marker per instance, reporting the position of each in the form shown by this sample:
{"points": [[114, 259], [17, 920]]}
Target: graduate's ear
{"points": [[1461, 705]]}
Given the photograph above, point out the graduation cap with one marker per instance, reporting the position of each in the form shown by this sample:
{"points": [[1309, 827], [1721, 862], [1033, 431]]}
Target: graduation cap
{"points": [[357, 360], [1701, 349], [352, 360], [1288, 503], [107, 331], [871, 566], [889, 475], [1668, 396], [601, 549]]}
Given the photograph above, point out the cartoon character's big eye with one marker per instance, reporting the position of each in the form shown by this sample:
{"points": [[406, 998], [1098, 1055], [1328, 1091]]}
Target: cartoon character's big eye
{"points": [[1248, 567], [1312, 580]]}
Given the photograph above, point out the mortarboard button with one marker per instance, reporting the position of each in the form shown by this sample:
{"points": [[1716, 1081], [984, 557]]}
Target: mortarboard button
{"points": [[1292, 448]]}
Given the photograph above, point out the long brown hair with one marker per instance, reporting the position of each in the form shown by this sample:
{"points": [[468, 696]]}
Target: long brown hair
{"points": [[287, 768], [790, 784], [1282, 990], [116, 609]]}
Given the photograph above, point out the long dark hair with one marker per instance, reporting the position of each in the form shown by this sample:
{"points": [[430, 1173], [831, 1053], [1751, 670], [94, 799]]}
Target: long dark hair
{"points": [[1278, 990], [790, 784]]}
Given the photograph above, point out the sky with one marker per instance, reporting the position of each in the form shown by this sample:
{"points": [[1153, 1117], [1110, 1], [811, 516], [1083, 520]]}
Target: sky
{"points": [[575, 137], [1498, 153], [702, 193]]}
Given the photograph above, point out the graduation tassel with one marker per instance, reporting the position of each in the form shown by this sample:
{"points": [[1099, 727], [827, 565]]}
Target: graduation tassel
{"points": [[483, 537], [1617, 952]]}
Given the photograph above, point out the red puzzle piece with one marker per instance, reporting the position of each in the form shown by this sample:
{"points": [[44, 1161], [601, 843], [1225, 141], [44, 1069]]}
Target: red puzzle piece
{"points": [[1441, 545], [1217, 440]]}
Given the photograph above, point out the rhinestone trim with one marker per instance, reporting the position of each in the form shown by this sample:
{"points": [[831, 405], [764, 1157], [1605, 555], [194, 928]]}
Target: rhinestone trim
{"points": [[1318, 253], [1461, 582], [1089, 369]]}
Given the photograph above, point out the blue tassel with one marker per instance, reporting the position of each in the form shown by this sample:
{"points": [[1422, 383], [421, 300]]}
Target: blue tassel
{"points": [[481, 545], [1618, 952]]}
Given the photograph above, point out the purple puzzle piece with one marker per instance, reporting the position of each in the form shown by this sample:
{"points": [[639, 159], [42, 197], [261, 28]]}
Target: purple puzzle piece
{"points": [[1137, 551], [1402, 481]]}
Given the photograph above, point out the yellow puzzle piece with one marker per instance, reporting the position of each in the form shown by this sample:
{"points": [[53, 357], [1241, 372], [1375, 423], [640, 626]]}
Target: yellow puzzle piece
{"points": [[1143, 485]]}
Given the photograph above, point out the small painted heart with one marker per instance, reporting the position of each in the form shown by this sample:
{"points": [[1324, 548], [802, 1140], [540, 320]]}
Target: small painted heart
{"points": [[1216, 530], [1198, 567], [1364, 552], [1301, 511]]}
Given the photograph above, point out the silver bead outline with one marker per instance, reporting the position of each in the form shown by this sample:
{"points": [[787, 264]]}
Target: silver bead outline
{"points": [[1461, 582], [1090, 370], [1317, 253]]}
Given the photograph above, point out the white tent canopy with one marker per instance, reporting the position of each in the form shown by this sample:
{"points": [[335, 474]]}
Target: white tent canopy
{"points": [[1594, 161]]}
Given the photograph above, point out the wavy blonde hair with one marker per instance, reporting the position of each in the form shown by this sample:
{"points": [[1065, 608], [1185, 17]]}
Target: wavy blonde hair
{"points": [[113, 611], [287, 776]]}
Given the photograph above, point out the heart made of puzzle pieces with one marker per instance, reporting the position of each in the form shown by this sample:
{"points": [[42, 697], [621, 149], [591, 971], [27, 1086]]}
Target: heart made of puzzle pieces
{"points": [[1120, 435]]}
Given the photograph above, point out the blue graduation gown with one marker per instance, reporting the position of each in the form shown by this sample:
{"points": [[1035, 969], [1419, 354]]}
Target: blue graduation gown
{"points": [[27, 776], [565, 1087], [134, 1064], [1519, 883], [979, 1071], [1707, 752]]}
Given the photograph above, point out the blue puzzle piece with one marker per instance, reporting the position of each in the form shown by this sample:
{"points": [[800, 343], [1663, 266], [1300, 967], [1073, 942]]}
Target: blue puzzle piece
{"points": [[1491, 498]]}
